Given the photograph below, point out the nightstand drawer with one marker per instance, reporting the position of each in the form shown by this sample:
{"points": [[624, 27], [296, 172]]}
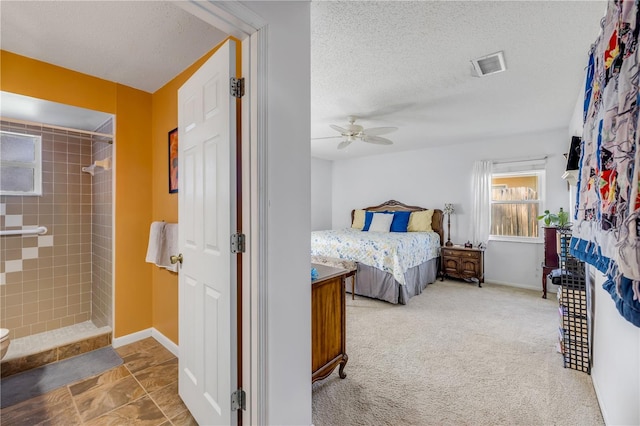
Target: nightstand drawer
{"points": [[469, 254], [461, 253]]}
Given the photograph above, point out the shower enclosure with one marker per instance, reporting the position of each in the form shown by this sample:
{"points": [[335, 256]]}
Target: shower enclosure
{"points": [[59, 282]]}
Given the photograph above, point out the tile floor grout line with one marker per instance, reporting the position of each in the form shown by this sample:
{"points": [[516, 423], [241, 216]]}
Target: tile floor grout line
{"points": [[160, 408], [106, 412], [158, 405], [148, 394], [73, 401], [115, 408]]}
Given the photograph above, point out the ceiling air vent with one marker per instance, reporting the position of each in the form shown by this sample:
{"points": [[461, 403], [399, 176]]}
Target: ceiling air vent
{"points": [[489, 64]]}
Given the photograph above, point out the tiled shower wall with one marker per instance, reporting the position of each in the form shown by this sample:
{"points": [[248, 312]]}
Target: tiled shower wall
{"points": [[47, 280], [102, 232]]}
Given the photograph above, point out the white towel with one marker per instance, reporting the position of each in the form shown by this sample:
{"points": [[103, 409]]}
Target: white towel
{"points": [[169, 247], [155, 242]]}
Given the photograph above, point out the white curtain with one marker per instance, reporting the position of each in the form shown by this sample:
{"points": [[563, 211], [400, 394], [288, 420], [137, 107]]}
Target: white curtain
{"points": [[481, 208]]}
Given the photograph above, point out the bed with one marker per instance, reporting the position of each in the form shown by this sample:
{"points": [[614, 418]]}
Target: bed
{"points": [[392, 266]]}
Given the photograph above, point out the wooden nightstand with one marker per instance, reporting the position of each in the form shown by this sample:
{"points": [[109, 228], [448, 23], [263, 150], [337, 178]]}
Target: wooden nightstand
{"points": [[463, 263]]}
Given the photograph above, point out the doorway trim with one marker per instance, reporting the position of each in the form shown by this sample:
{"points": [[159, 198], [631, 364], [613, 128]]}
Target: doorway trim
{"points": [[237, 20]]}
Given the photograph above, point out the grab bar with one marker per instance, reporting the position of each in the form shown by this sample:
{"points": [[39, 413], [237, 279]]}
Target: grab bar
{"points": [[28, 231]]}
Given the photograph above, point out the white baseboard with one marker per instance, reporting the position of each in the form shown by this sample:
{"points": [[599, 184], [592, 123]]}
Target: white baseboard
{"points": [[165, 341], [131, 338], [603, 409], [551, 288], [143, 334]]}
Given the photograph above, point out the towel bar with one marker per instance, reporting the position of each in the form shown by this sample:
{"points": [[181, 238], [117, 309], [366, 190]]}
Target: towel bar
{"points": [[40, 230]]}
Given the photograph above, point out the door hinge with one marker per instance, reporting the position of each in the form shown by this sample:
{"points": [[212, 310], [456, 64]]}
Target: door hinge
{"points": [[237, 87], [237, 243], [238, 400]]}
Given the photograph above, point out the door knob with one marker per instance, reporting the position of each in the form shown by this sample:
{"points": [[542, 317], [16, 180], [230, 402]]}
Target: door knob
{"points": [[175, 259]]}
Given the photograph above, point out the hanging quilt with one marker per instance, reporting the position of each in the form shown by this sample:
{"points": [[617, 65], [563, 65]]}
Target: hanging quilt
{"points": [[606, 232]]}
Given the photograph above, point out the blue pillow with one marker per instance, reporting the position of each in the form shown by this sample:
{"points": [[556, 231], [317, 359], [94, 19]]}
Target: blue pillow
{"points": [[400, 221], [399, 224]]}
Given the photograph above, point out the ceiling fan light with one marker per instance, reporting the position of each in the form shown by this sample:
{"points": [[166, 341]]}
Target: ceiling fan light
{"points": [[353, 132]]}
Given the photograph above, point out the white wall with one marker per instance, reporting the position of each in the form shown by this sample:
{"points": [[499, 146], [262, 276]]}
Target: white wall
{"points": [[288, 186], [616, 360], [321, 179], [434, 176]]}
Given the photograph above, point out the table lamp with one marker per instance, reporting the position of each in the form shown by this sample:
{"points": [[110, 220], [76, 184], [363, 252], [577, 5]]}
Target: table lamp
{"points": [[448, 210]]}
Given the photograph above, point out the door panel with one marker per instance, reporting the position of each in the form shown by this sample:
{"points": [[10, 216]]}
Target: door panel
{"points": [[207, 218], [211, 200], [212, 310]]}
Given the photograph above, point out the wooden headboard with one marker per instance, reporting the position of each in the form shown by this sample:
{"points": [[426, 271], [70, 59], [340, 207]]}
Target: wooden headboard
{"points": [[395, 206]]}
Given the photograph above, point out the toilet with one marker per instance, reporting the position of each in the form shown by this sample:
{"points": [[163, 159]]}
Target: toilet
{"points": [[4, 341]]}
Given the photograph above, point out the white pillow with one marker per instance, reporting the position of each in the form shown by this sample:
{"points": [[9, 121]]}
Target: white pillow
{"points": [[381, 222]]}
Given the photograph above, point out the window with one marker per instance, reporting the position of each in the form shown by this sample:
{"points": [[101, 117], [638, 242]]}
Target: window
{"points": [[516, 202], [20, 164]]}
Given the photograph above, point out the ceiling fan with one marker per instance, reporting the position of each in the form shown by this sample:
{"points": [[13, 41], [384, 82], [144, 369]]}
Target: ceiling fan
{"points": [[353, 131]]}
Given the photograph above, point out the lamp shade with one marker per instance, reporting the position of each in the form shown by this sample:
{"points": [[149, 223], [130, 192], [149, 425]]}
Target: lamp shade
{"points": [[448, 208]]}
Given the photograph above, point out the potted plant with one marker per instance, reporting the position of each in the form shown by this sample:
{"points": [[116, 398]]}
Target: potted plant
{"points": [[558, 220], [563, 219], [548, 218], [557, 228]]}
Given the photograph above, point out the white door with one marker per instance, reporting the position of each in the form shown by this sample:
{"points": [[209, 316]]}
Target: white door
{"points": [[207, 218]]}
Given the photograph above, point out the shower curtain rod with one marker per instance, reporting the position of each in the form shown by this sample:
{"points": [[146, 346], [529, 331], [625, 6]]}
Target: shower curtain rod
{"points": [[33, 123]]}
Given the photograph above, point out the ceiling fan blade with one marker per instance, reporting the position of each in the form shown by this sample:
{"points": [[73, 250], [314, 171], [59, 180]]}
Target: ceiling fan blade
{"points": [[326, 137], [378, 131], [338, 128], [376, 140], [344, 144]]}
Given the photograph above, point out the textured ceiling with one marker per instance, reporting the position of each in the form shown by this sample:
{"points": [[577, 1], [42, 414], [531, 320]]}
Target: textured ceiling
{"points": [[395, 63], [407, 64], [142, 44]]}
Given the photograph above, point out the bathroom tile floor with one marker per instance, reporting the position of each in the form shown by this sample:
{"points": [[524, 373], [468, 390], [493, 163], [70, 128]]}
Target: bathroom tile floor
{"points": [[141, 391]]}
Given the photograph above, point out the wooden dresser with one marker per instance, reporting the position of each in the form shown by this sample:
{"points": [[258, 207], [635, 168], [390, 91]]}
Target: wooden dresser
{"points": [[464, 263], [328, 320]]}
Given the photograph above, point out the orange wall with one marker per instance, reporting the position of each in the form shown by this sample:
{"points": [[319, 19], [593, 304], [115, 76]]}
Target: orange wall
{"points": [[133, 308], [25, 76], [132, 108], [165, 205]]}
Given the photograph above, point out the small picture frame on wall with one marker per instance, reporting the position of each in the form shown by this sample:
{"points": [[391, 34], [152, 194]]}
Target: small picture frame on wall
{"points": [[173, 161]]}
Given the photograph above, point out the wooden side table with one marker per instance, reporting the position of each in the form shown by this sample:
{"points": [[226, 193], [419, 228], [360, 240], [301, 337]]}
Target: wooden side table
{"points": [[334, 262], [463, 263]]}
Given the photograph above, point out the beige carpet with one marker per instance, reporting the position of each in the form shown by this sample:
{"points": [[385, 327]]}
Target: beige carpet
{"points": [[455, 355]]}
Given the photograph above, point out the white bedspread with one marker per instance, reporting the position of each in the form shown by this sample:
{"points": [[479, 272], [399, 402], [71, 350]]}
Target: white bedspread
{"points": [[392, 252]]}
